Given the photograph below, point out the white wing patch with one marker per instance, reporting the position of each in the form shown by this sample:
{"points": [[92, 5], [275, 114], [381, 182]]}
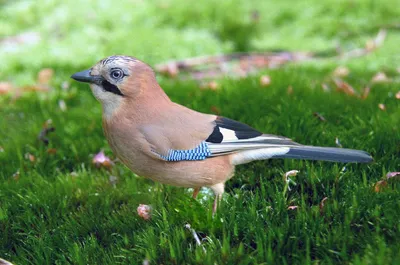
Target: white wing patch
{"points": [[228, 135], [254, 139], [258, 154]]}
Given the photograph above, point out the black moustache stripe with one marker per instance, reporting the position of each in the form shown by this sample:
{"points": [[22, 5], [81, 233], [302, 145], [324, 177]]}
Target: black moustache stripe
{"points": [[107, 86]]}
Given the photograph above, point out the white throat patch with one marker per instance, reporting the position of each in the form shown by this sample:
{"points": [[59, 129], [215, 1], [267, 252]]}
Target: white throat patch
{"points": [[109, 101]]}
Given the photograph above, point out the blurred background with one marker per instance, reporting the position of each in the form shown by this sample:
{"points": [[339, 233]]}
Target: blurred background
{"points": [[75, 34]]}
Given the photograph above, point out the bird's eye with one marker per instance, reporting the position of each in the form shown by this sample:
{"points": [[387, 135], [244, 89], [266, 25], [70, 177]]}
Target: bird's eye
{"points": [[116, 74]]}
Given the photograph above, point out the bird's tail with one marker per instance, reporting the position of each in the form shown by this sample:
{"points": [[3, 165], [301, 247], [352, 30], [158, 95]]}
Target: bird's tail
{"points": [[303, 152]]}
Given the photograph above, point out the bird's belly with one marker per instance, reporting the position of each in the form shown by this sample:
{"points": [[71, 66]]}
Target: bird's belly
{"points": [[184, 173]]}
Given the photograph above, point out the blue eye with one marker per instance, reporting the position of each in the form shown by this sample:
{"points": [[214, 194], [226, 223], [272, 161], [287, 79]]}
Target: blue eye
{"points": [[117, 74]]}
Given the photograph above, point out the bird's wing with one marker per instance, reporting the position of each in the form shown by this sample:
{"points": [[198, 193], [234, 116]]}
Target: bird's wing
{"points": [[218, 136], [223, 136]]}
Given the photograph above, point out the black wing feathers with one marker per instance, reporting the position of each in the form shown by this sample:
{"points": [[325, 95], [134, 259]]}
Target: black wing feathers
{"points": [[242, 131]]}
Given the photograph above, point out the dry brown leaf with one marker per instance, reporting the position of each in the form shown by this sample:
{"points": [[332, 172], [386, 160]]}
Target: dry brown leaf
{"points": [[365, 93], [341, 71], [380, 78], [392, 175], [398, 95], [212, 85], [344, 87], [44, 76], [382, 106], [265, 80], [5, 87], [380, 185], [144, 211], [290, 90], [30, 157], [101, 160], [51, 151], [322, 204]]}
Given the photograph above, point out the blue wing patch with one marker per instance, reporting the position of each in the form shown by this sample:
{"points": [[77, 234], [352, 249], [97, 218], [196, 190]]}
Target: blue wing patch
{"points": [[200, 152]]}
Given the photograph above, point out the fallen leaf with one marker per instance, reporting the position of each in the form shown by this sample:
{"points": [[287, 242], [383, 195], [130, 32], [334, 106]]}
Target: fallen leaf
{"points": [[380, 78], [293, 207], [51, 151], [322, 204], [213, 85], [290, 90], [265, 80], [365, 93], [291, 173], [144, 211], [44, 76], [101, 160], [392, 174], [382, 106], [62, 105], [380, 185], [319, 116], [341, 71], [288, 180], [5, 87], [398, 95], [30, 157], [344, 87]]}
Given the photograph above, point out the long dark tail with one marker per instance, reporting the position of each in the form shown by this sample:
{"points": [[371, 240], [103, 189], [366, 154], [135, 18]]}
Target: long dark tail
{"points": [[327, 154]]}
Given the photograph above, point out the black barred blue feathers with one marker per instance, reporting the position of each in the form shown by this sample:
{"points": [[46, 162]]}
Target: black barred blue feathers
{"points": [[201, 152]]}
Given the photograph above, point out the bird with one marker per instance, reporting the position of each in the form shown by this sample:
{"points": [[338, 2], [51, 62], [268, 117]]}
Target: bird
{"points": [[169, 143]]}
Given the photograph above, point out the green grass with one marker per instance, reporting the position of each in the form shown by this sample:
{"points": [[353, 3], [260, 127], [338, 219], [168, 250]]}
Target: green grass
{"points": [[63, 210]]}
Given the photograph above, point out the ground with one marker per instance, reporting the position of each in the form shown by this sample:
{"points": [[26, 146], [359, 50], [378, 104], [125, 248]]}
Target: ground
{"points": [[56, 207]]}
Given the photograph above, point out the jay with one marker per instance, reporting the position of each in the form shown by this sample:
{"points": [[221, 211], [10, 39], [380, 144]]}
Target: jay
{"points": [[169, 143]]}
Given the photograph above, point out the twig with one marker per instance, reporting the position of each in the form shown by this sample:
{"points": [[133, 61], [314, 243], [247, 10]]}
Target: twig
{"points": [[196, 237]]}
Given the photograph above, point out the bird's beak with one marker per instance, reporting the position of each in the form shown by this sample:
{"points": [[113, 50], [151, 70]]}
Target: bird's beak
{"points": [[84, 76]]}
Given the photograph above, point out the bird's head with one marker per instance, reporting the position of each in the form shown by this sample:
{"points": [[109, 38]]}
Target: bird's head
{"points": [[116, 79]]}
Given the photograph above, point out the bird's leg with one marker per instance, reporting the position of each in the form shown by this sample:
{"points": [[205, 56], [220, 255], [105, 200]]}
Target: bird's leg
{"points": [[218, 190], [195, 193]]}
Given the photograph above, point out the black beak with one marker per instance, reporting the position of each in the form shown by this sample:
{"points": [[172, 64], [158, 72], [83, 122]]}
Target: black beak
{"points": [[84, 76]]}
